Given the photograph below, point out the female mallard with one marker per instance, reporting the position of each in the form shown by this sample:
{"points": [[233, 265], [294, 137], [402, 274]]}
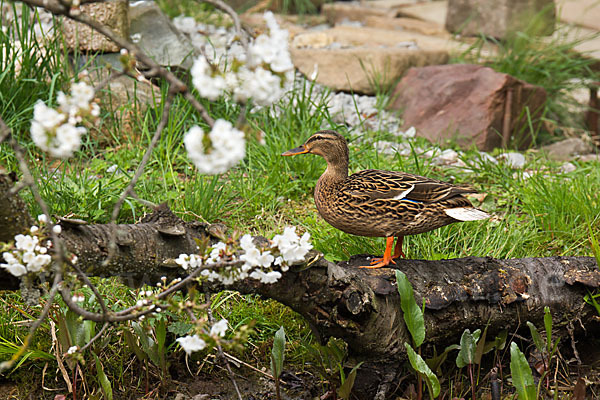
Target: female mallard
{"points": [[382, 203]]}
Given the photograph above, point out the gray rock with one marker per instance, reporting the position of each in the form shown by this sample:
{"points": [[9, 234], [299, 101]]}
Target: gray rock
{"points": [[567, 167], [514, 160], [567, 149], [158, 37], [589, 158]]}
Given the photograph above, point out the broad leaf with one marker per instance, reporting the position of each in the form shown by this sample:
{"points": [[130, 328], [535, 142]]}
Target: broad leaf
{"points": [[433, 385], [520, 371], [537, 338], [133, 346], [468, 341], [278, 353], [413, 315], [103, 379]]}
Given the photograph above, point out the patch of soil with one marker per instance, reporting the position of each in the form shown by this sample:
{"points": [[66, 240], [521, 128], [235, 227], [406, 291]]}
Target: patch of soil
{"points": [[252, 385]]}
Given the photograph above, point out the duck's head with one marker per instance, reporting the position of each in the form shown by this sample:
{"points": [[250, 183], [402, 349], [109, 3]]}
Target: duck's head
{"points": [[328, 144]]}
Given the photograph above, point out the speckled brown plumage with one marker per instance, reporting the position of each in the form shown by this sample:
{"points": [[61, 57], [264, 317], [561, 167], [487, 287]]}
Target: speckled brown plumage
{"points": [[382, 203]]}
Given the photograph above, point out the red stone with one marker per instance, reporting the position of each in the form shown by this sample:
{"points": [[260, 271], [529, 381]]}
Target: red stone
{"points": [[470, 105]]}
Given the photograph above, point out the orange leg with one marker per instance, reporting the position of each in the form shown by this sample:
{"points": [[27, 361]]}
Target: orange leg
{"points": [[398, 249], [387, 255]]}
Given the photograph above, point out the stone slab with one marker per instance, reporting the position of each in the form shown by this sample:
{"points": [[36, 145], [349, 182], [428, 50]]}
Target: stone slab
{"points": [[348, 36], [339, 12], [158, 37], [477, 17], [584, 13], [407, 24], [432, 11], [355, 69]]}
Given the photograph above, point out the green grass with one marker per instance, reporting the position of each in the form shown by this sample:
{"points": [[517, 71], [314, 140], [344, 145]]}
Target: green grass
{"points": [[547, 214]]}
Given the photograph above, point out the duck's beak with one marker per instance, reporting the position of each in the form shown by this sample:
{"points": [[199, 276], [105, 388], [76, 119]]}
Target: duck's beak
{"points": [[298, 150]]}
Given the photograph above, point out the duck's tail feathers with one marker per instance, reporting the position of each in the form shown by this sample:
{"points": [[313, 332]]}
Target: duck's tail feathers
{"points": [[467, 213]]}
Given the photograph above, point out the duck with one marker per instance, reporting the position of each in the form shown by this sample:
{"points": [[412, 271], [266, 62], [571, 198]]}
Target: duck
{"points": [[378, 203]]}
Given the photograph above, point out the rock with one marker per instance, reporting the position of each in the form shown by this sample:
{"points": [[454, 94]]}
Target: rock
{"points": [[466, 103], [257, 22], [113, 13], [358, 69], [447, 156], [567, 149], [406, 24], [338, 12], [486, 157], [580, 12], [432, 11], [476, 17], [589, 158], [355, 59], [513, 160], [567, 167], [154, 33]]}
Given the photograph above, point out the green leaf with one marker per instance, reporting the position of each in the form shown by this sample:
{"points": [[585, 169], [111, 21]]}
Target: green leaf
{"points": [[103, 379], [537, 338], [433, 385], [148, 344], [413, 316], [133, 346], [436, 361], [347, 384], [520, 371], [466, 355], [548, 327], [179, 328], [500, 339], [80, 330], [480, 348], [278, 353]]}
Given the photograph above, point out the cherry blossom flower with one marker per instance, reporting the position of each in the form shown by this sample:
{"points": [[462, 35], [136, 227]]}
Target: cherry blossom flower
{"points": [[55, 131], [227, 147], [219, 328], [191, 344]]}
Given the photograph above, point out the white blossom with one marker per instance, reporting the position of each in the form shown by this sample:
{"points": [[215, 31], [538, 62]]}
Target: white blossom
{"points": [[191, 344], [210, 84], [189, 260], [42, 218], [227, 147], [266, 277], [219, 328], [72, 349], [291, 247], [38, 262], [57, 229], [55, 131], [26, 242], [15, 269]]}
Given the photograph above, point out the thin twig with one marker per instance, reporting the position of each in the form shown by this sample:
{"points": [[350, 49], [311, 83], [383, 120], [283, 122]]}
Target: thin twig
{"points": [[96, 337], [222, 354], [236, 19]]}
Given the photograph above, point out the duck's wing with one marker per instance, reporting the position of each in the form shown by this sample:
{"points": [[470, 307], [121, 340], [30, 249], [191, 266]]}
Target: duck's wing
{"points": [[374, 184]]}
